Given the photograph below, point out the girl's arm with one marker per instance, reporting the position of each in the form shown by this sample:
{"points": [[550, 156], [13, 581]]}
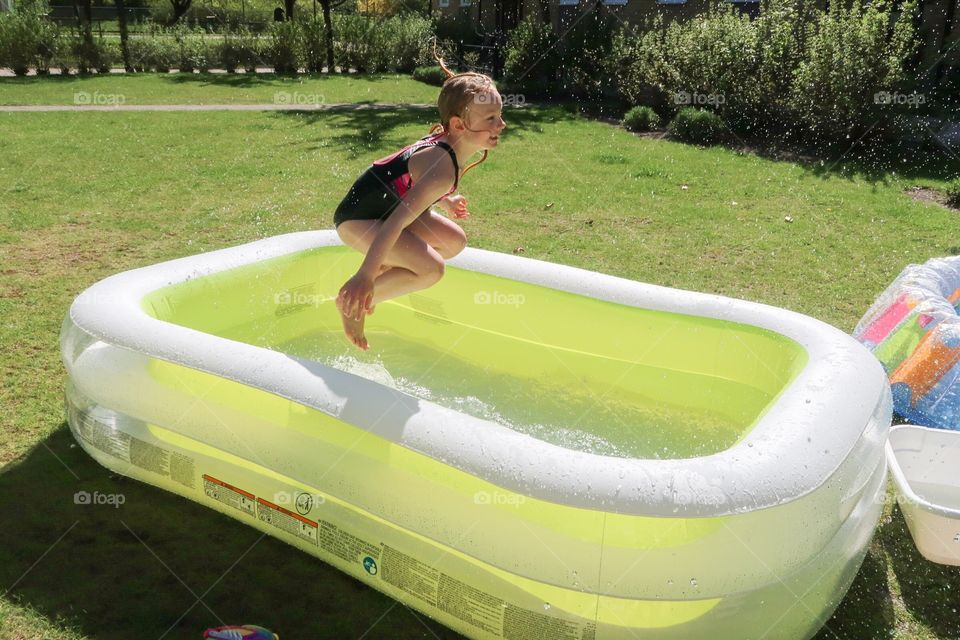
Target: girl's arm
{"points": [[356, 295], [421, 195]]}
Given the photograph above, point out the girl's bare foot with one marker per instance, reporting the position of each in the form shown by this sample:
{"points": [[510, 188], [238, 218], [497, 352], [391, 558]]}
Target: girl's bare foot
{"points": [[354, 330]]}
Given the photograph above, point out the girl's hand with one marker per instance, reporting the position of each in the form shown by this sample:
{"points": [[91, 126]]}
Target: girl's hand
{"points": [[457, 206], [356, 296]]}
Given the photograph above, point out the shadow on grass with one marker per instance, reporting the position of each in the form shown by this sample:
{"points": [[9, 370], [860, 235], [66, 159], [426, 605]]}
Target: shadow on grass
{"points": [[366, 132], [930, 591], [865, 611], [163, 566], [245, 80]]}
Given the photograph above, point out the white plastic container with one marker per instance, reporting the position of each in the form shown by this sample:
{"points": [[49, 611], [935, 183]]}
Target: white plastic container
{"points": [[925, 464]]}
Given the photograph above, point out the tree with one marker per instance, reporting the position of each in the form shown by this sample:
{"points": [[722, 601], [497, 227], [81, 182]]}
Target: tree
{"points": [[180, 8], [124, 44]]}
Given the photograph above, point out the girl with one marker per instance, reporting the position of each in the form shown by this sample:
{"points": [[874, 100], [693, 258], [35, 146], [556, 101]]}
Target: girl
{"points": [[386, 214]]}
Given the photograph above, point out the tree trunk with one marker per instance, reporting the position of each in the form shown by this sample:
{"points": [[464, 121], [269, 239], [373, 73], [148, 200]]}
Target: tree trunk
{"points": [[124, 44], [180, 8], [328, 25], [88, 46], [288, 6]]}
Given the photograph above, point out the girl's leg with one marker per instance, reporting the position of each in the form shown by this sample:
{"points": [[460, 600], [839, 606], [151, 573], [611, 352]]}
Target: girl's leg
{"points": [[414, 265], [440, 232]]}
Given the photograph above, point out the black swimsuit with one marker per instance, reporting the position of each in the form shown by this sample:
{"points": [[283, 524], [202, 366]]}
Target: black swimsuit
{"points": [[379, 189]]}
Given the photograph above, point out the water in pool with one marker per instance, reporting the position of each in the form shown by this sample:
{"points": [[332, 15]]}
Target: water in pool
{"points": [[565, 409]]}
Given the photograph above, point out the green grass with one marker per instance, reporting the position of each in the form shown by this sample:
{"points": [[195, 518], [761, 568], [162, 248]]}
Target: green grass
{"points": [[208, 88], [86, 195]]}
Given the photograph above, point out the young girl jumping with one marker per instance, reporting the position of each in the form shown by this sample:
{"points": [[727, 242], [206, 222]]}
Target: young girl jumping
{"points": [[386, 214]]}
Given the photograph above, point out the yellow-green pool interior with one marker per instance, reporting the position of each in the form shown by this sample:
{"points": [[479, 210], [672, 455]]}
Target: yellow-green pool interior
{"points": [[576, 371]]}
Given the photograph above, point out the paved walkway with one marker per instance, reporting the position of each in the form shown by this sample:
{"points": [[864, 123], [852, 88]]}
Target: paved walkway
{"points": [[216, 107]]}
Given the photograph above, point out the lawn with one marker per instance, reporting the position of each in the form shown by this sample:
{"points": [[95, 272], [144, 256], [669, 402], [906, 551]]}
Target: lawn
{"points": [[213, 88], [86, 195]]}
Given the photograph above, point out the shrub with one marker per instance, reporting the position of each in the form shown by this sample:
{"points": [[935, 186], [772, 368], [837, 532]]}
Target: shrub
{"points": [[641, 118], [314, 44], [285, 47], [698, 126], [585, 54], [370, 45], [95, 54], [530, 55], [194, 50], [953, 194], [27, 39], [794, 69], [430, 75], [850, 56]]}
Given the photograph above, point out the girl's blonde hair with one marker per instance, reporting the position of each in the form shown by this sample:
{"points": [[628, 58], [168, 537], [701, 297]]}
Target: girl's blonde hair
{"points": [[458, 92]]}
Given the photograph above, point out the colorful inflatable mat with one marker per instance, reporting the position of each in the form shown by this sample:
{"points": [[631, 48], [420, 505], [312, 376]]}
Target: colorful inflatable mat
{"points": [[914, 330]]}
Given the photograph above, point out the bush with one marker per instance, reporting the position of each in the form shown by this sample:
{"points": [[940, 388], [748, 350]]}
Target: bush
{"points": [[27, 39], [794, 69], [376, 45], [530, 54], [285, 47], [195, 51], [851, 56], [953, 194], [585, 55], [314, 44], [430, 75], [641, 118], [698, 126], [95, 54]]}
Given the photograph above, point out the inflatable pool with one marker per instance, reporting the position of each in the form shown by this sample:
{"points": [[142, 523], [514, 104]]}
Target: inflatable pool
{"points": [[528, 450], [914, 330]]}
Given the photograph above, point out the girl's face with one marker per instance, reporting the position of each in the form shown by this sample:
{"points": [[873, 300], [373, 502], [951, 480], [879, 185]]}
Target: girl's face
{"points": [[484, 120]]}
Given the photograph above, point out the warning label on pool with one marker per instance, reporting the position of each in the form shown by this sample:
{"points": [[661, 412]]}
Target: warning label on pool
{"points": [[134, 451], [346, 546], [229, 495], [475, 607], [286, 520]]}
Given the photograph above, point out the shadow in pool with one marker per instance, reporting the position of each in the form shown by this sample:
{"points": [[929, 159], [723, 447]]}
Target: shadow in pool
{"points": [[159, 565], [930, 591]]}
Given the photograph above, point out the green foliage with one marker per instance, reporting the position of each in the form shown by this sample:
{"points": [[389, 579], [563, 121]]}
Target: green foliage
{"points": [[430, 75], [27, 39], [285, 47], [641, 118], [314, 41], [196, 50], [530, 54], [95, 54], [158, 50], [698, 126], [374, 45], [953, 194], [850, 58], [794, 67]]}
